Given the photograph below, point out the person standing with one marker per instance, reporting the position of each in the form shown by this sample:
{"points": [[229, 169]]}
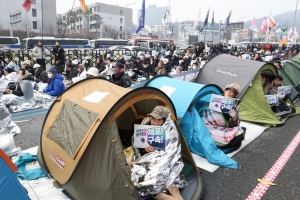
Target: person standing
{"points": [[59, 53], [40, 53]]}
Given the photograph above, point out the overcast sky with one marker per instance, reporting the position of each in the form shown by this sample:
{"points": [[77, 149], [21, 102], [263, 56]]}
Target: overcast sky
{"points": [[187, 9]]}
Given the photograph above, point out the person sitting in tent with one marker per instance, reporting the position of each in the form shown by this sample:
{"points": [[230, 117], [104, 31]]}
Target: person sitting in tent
{"points": [[272, 88], [119, 77], [56, 86], [24, 86], [158, 117], [225, 128]]}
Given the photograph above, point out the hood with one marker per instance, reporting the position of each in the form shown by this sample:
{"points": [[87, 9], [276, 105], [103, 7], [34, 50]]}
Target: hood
{"points": [[58, 76]]}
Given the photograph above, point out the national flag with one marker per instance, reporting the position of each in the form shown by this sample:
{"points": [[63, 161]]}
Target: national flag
{"points": [[27, 5], [166, 15], [253, 26], [226, 21], [212, 19], [271, 22], [197, 20], [285, 27], [290, 37], [141, 18], [264, 25], [83, 6], [205, 21]]}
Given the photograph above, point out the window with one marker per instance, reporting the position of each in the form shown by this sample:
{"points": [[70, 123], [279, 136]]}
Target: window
{"points": [[33, 12], [121, 36], [120, 28], [97, 8], [91, 10], [34, 2], [16, 17], [34, 25], [121, 12], [121, 20]]}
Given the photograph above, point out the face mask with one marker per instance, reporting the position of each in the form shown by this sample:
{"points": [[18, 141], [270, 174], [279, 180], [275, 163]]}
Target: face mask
{"points": [[50, 75], [145, 66], [57, 46], [19, 77], [194, 67], [116, 71]]}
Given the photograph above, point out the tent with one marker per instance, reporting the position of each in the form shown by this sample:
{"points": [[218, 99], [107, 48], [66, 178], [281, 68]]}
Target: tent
{"points": [[189, 98], [10, 186], [81, 144], [288, 81], [225, 69], [292, 69]]}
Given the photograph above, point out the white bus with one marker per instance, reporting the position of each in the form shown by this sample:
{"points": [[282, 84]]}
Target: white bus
{"points": [[12, 42], [49, 42], [106, 43]]}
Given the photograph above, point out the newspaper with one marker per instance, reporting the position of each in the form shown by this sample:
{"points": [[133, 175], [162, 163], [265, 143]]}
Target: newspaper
{"points": [[222, 104], [272, 100], [284, 90]]}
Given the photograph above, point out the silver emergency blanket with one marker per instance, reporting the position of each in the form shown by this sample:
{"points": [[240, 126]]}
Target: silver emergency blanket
{"points": [[156, 171], [17, 104], [7, 126]]}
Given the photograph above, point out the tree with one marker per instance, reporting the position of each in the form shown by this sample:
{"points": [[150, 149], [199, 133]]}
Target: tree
{"points": [[109, 31]]}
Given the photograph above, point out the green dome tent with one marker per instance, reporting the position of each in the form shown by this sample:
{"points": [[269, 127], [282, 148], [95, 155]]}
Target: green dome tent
{"points": [[81, 145], [225, 69]]}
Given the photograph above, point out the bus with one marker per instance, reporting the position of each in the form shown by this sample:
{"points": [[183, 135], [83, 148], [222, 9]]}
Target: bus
{"points": [[11, 42], [147, 40], [49, 42], [106, 43]]}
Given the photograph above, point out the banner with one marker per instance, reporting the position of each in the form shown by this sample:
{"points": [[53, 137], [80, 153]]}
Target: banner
{"points": [[141, 18], [146, 135], [226, 21], [205, 21], [272, 100], [221, 104], [253, 26], [27, 5], [188, 76], [264, 25], [284, 90]]}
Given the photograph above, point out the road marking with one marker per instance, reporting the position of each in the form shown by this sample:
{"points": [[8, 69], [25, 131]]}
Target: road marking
{"points": [[261, 188]]}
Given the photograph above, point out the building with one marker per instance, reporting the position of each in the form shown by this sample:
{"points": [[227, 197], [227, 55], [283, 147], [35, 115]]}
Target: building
{"points": [[112, 16], [13, 11], [154, 15]]}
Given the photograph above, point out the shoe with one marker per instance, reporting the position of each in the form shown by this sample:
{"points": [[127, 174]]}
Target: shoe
{"points": [[174, 191]]}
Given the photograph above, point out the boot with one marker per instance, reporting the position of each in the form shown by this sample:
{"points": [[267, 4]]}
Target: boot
{"points": [[174, 191], [163, 196]]}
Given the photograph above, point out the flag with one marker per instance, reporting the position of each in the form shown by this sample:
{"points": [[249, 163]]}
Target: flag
{"points": [[27, 5], [264, 25], [197, 20], [280, 34], [141, 18], [205, 21], [166, 15], [290, 37], [226, 21], [295, 33], [271, 22], [83, 6], [253, 26], [284, 28], [212, 19]]}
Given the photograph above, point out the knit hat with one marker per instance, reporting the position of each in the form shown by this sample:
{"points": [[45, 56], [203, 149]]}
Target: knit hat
{"points": [[10, 67], [118, 65], [234, 87], [93, 71], [52, 70], [159, 112]]}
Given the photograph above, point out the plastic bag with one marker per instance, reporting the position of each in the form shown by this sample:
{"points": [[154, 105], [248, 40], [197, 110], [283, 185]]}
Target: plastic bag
{"points": [[7, 126]]}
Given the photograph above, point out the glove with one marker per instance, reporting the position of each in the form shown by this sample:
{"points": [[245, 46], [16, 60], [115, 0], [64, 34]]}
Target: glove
{"points": [[233, 115]]}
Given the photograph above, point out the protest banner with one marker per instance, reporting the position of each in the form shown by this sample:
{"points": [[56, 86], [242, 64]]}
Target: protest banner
{"points": [[146, 135], [221, 104], [284, 90], [272, 100]]}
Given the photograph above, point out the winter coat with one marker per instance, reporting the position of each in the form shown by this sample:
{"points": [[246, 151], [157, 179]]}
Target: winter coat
{"points": [[73, 73], [80, 76], [24, 87], [160, 70], [40, 53], [59, 53], [41, 75], [56, 86], [122, 80]]}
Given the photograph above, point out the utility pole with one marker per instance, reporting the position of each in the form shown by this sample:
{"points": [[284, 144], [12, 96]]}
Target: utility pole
{"points": [[10, 27], [220, 30]]}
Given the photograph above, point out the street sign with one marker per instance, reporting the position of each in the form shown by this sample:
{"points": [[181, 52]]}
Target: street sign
{"points": [[235, 26]]}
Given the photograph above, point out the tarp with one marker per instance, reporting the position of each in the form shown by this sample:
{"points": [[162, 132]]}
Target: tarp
{"points": [[185, 95]]}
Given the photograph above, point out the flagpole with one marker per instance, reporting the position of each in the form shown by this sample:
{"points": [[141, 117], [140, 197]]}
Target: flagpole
{"points": [[43, 62]]}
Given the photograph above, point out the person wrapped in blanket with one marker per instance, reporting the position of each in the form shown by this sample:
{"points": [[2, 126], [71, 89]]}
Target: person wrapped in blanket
{"points": [[225, 128], [158, 172]]}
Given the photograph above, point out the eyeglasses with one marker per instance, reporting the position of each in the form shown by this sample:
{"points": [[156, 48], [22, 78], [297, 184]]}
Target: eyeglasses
{"points": [[155, 120]]}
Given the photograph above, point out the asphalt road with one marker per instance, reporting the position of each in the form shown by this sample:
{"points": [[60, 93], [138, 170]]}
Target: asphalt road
{"points": [[256, 159]]}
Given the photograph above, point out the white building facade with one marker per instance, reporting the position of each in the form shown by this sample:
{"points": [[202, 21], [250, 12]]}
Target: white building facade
{"points": [[13, 11]]}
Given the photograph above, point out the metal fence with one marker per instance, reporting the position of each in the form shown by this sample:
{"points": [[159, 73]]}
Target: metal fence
{"points": [[80, 55]]}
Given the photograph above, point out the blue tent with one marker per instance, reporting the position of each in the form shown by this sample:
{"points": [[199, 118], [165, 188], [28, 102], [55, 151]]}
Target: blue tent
{"points": [[189, 100], [10, 187]]}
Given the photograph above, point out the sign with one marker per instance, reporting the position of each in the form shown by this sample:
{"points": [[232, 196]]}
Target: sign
{"points": [[128, 29], [221, 104], [284, 90], [235, 26], [188, 76], [272, 100], [146, 135]]}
